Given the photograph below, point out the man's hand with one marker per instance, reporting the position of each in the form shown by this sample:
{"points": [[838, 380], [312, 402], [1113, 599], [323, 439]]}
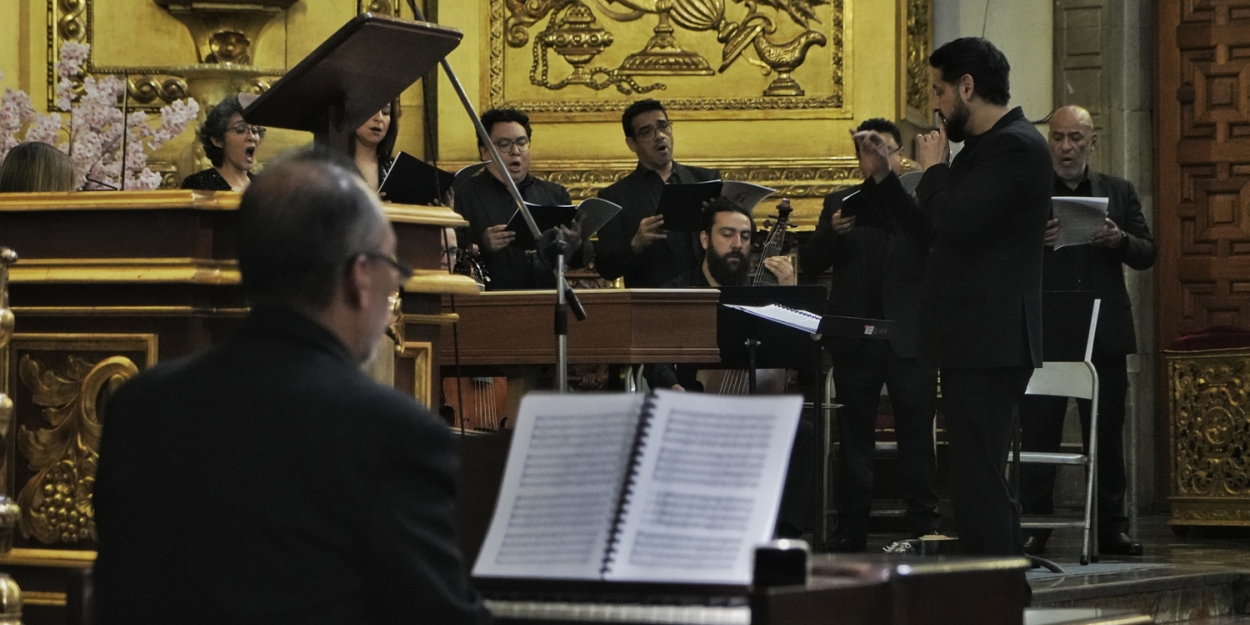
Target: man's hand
{"points": [[1052, 233], [497, 237], [842, 225], [573, 235], [933, 148], [678, 387], [874, 154], [649, 231], [780, 266], [1109, 237]]}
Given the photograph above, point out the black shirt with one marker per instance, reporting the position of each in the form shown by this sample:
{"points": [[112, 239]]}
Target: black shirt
{"points": [[639, 195], [208, 180], [484, 201]]}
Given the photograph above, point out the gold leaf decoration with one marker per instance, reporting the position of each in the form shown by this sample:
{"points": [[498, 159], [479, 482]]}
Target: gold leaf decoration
{"points": [[1210, 426], [56, 502]]}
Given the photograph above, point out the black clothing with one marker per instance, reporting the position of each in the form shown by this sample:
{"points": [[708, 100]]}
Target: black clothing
{"points": [[269, 480], [666, 375], [877, 275], [208, 180], [981, 319], [484, 201], [980, 406], [639, 195], [1097, 269]]}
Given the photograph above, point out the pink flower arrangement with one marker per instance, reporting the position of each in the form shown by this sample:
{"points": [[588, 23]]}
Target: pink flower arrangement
{"points": [[96, 126]]}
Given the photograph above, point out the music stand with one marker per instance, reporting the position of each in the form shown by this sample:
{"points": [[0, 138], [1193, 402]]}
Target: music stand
{"points": [[749, 342], [349, 77]]}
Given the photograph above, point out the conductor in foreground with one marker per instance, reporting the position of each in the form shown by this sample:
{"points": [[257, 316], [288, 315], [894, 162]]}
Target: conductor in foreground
{"points": [[269, 479]]}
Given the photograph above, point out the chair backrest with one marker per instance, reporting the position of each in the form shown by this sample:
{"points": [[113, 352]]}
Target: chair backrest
{"points": [[1069, 378]]}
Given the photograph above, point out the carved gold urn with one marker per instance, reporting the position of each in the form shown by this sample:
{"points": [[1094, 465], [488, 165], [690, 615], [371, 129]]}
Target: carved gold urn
{"points": [[663, 56], [578, 38]]}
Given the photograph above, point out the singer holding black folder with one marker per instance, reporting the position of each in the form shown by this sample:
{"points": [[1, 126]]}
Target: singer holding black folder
{"points": [[484, 201], [981, 317], [634, 244], [876, 274]]}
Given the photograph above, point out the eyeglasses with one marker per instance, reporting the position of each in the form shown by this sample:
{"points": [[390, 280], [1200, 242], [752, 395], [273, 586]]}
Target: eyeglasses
{"points": [[893, 151], [646, 132], [452, 254], [405, 271], [243, 129], [505, 145]]}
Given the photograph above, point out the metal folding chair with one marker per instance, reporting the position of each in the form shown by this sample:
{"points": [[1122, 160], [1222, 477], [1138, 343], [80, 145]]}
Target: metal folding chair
{"points": [[1076, 379]]}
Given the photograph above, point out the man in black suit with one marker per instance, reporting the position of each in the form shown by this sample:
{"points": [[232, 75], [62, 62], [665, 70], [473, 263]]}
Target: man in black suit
{"points": [[269, 480], [981, 302], [484, 200], [877, 274], [634, 243], [1098, 267]]}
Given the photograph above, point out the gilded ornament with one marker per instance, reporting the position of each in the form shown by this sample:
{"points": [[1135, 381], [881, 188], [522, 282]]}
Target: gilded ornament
{"points": [[919, 46], [56, 501], [1210, 426]]}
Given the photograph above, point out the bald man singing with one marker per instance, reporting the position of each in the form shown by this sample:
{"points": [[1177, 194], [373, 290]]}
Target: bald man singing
{"points": [[1123, 240]]}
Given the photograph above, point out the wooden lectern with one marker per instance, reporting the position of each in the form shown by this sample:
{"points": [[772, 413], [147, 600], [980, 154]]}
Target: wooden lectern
{"points": [[351, 76]]}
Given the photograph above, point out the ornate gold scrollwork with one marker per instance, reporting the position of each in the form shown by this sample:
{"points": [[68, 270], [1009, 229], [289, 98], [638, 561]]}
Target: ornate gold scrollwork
{"points": [[71, 26], [56, 501], [919, 45], [574, 33], [1210, 426], [146, 89]]}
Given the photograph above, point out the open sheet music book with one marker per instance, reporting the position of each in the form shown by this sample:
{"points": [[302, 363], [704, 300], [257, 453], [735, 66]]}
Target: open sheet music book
{"points": [[797, 319], [682, 204], [410, 180], [1079, 218], [592, 212], [669, 487]]}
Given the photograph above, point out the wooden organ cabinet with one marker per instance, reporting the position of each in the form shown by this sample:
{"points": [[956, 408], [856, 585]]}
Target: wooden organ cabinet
{"points": [[110, 283]]}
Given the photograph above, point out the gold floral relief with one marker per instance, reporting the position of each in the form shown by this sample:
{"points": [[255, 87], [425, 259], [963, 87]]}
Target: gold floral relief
{"points": [[1210, 425], [56, 502], [559, 55], [919, 45]]}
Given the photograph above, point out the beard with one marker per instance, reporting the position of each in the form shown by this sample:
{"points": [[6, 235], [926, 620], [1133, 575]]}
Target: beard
{"points": [[725, 272], [957, 124]]}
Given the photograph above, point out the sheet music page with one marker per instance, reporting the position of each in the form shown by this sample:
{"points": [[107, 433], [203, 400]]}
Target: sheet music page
{"points": [[594, 213], [797, 319], [1079, 218], [561, 486], [745, 194], [707, 487]]}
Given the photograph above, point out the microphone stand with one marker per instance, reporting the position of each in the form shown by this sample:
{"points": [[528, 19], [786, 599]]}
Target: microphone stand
{"points": [[547, 246]]}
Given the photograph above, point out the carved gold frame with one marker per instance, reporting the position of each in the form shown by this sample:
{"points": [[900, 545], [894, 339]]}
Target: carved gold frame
{"points": [[420, 353], [147, 88], [833, 105], [148, 343], [916, 30]]}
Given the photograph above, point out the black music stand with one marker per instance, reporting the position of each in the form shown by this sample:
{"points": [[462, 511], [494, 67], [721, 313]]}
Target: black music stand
{"points": [[363, 66], [750, 342]]}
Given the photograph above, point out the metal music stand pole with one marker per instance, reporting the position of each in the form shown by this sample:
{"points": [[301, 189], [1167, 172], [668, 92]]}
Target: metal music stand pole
{"points": [[565, 296]]}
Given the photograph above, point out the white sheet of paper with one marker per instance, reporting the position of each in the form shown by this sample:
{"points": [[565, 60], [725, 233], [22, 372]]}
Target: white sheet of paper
{"points": [[594, 213], [707, 488], [561, 486], [797, 319], [1079, 219], [747, 195]]}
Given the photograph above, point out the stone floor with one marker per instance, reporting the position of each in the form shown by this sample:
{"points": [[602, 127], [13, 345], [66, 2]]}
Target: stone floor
{"points": [[1202, 577]]}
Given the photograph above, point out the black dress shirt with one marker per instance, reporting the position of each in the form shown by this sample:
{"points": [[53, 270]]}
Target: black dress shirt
{"points": [[208, 180], [638, 194], [484, 201]]}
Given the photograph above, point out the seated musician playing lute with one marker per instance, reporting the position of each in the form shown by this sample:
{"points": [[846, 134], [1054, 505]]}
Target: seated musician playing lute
{"points": [[725, 234]]}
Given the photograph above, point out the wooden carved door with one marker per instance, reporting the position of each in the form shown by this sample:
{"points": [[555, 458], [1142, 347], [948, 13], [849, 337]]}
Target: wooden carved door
{"points": [[1202, 204]]}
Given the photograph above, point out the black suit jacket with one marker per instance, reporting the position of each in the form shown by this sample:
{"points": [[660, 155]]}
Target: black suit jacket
{"points": [[269, 480], [1115, 336], [987, 211], [849, 257], [638, 194]]}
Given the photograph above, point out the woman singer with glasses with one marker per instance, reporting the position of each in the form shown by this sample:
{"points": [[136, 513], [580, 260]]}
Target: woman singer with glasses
{"points": [[230, 144]]}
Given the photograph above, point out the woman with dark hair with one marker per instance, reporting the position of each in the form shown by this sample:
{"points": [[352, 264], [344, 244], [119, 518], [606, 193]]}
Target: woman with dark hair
{"points": [[35, 166], [374, 141], [230, 144]]}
